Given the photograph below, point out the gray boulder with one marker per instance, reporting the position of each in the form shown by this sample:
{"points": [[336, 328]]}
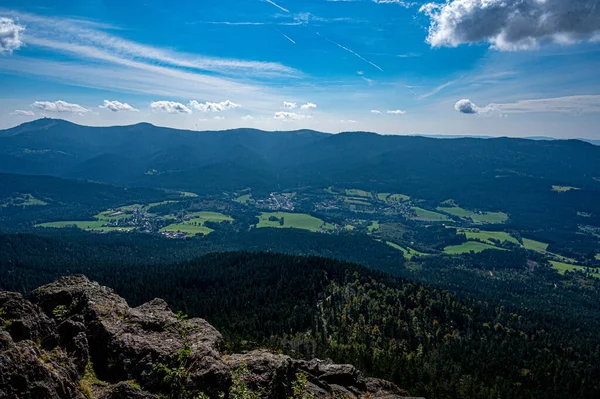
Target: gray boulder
{"points": [[127, 343]]}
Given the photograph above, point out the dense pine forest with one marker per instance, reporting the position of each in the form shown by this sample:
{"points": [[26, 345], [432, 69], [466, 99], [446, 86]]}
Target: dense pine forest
{"points": [[522, 332]]}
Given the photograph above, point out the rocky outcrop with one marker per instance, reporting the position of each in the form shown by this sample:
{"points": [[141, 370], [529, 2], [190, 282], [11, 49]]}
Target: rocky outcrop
{"points": [[77, 339], [273, 375], [126, 343], [32, 365]]}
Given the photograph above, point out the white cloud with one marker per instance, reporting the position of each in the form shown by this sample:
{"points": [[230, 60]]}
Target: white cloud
{"points": [[60, 106], [308, 106], [396, 112], [213, 107], [289, 105], [170, 107], [20, 112], [574, 105], [247, 118], [376, 111], [10, 35], [219, 118], [347, 121], [466, 106], [585, 104], [290, 116], [116, 106], [512, 25], [405, 4]]}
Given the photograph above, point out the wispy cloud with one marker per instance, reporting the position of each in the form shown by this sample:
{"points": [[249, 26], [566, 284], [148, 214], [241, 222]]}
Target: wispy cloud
{"points": [[439, 88], [170, 107], [60, 106], [20, 112], [574, 105], [355, 53], [290, 116], [67, 35], [277, 5], [290, 105], [287, 37], [396, 112], [116, 106]]}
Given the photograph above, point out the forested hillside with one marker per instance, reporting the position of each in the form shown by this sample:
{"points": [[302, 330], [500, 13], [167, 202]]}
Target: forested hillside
{"points": [[432, 342]]}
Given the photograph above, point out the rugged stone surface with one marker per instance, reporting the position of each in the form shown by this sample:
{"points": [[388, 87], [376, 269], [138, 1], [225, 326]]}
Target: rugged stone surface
{"points": [[123, 390], [77, 339], [31, 363], [23, 320], [128, 342], [273, 375]]}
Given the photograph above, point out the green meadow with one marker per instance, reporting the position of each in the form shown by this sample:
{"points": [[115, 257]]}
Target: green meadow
{"points": [[352, 192], [292, 221], [535, 245], [562, 267], [388, 197], [487, 217], [373, 226], [244, 199], [469, 246], [196, 225], [356, 201], [408, 252], [564, 189], [429, 216], [22, 200], [84, 225], [488, 236]]}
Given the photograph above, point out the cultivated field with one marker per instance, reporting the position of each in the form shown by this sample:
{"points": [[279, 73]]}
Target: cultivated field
{"points": [[292, 220], [564, 189], [469, 246], [408, 252], [84, 225], [489, 236], [535, 245], [429, 216], [484, 217], [196, 223]]}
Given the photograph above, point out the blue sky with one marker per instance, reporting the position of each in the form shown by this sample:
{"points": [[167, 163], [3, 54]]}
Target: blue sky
{"points": [[472, 67]]}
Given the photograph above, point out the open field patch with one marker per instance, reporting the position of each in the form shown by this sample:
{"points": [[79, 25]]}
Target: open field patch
{"points": [[194, 223], [356, 201], [96, 225], [244, 199], [477, 217], [282, 220], [428, 216], [352, 192], [535, 245], [469, 246], [408, 252], [562, 267], [564, 189], [21, 200], [489, 236], [374, 226]]}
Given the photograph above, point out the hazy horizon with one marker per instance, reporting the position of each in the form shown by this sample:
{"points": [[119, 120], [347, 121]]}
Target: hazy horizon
{"points": [[460, 67]]}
